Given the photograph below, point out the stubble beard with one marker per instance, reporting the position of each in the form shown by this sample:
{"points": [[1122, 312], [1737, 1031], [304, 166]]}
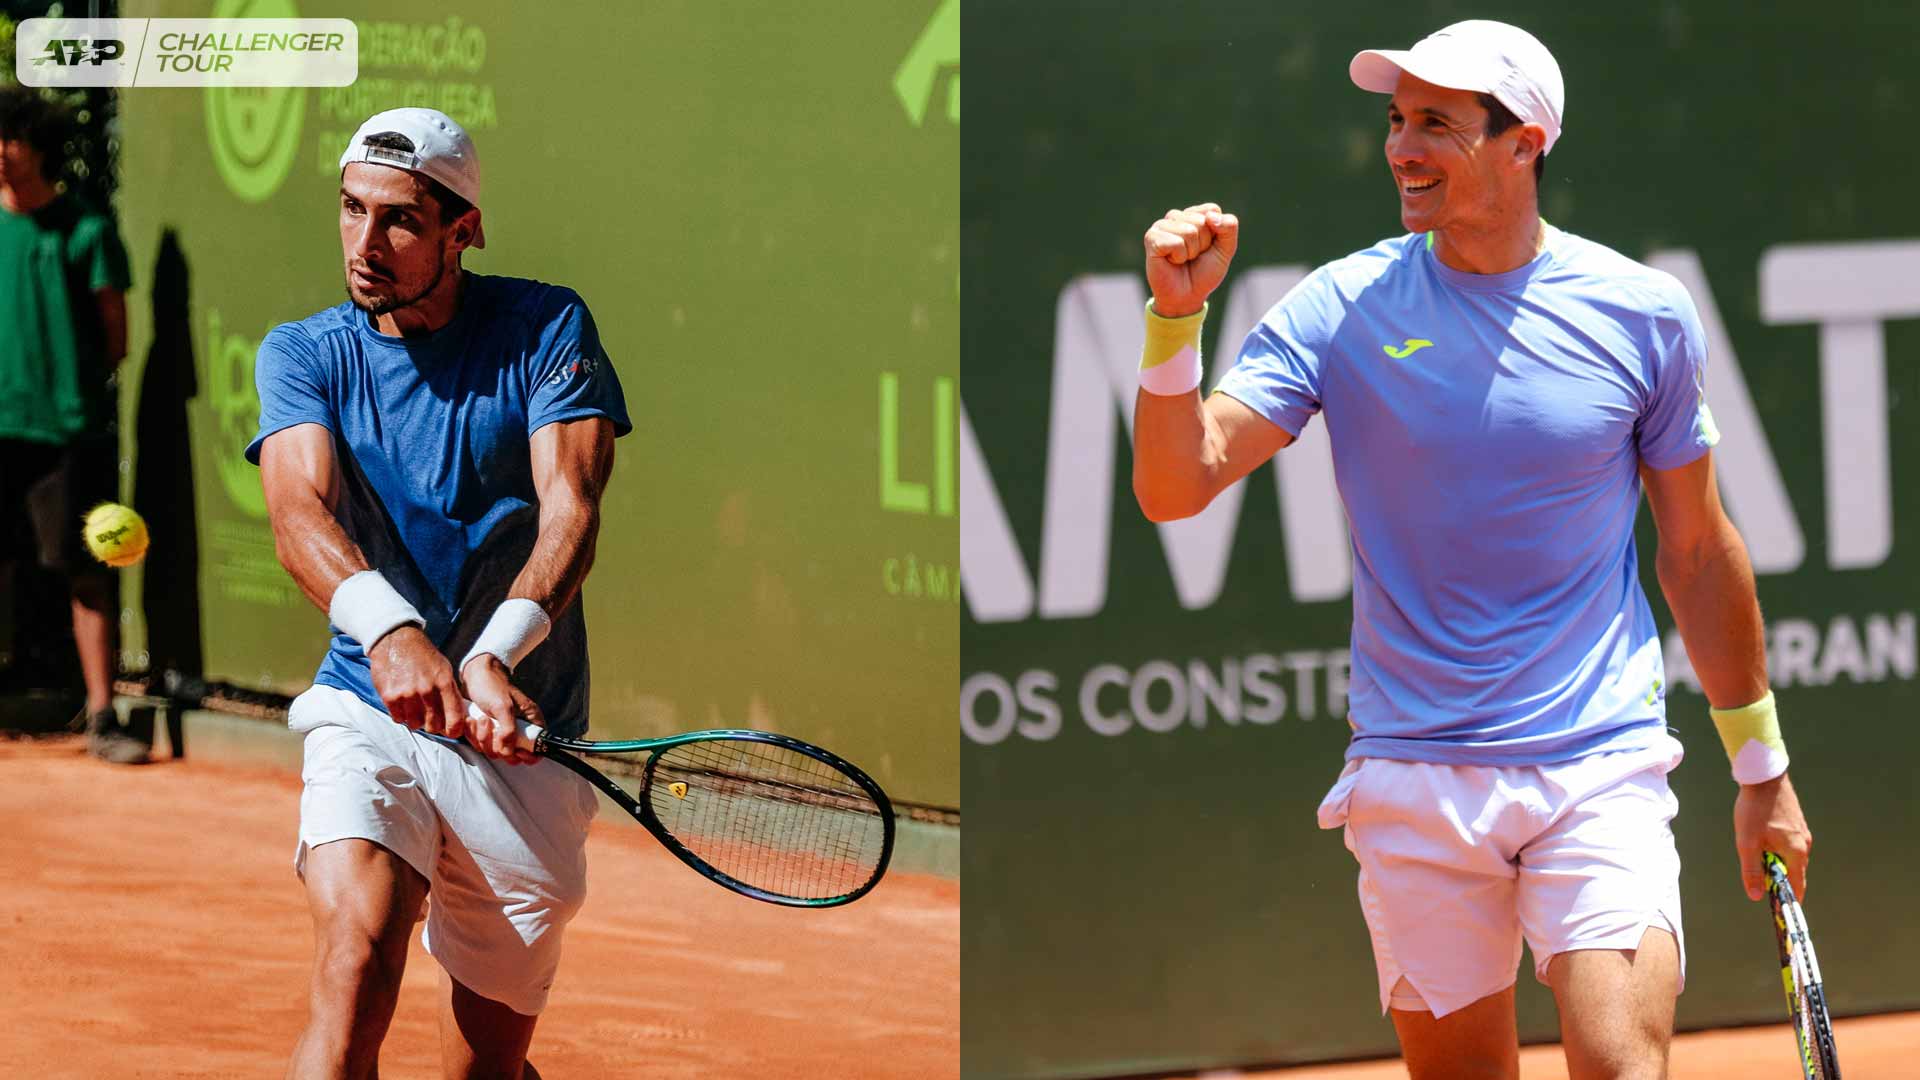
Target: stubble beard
{"points": [[377, 308]]}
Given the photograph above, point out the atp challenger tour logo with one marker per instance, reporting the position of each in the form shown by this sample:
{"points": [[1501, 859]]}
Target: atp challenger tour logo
{"points": [[1847, 290], [224, 51]]}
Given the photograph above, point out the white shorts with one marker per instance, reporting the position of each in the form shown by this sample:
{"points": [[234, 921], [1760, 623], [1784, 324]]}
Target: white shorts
{"points": [[503, 847], [1459, 862]]}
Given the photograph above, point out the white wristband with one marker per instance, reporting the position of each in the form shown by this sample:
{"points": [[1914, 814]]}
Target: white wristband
{"points": [[517, 626], [366, 608], [1757, 763]]}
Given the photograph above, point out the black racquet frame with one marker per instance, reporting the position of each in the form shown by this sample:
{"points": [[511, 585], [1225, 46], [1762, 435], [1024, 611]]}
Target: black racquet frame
{"points": [[563, 751], [1800, 973]]}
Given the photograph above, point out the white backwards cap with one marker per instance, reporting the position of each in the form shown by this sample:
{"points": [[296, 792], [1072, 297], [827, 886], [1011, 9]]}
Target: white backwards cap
{"points": [[1480, 55], [442, 151]]}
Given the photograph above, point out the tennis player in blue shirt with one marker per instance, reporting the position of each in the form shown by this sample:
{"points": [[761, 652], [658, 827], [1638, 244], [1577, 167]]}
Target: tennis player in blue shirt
{"points": [[1497, 393], [433, 453]]}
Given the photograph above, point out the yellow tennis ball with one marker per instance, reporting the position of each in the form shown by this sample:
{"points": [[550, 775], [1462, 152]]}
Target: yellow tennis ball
{"points": [[115, 534]]}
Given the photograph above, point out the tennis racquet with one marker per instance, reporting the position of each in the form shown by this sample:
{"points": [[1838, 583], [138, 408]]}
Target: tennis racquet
{"points": [[765, 815], [1806, 998]]}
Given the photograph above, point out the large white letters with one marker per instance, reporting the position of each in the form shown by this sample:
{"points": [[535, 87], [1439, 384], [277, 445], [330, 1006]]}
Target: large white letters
{"points": [[1848, 289]]}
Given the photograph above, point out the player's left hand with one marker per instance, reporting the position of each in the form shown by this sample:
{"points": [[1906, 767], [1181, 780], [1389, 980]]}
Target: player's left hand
{"points": [[1766, 817], [491, 727]]}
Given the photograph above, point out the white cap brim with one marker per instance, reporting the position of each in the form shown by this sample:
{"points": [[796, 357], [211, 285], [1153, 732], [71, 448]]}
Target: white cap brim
{"points": [[1379, 71]]}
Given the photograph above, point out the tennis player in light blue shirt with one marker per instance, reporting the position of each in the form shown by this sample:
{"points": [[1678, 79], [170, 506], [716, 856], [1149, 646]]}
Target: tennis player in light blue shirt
{"points": [[1497, 611], [1498, 393]]}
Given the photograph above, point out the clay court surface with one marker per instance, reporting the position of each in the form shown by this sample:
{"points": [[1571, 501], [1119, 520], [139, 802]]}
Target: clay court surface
{"points": [[151, 926], [1871, 1048]]}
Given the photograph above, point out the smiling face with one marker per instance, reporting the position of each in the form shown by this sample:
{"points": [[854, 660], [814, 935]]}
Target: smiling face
{"points": [[1448, 170], [396, 247]]}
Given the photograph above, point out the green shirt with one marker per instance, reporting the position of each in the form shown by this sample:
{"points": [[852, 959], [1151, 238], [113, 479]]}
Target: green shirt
{"points": [[53, 363]]}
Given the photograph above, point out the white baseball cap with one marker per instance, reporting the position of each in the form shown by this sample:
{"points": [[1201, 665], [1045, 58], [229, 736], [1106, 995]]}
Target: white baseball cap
{"points": [[442, 151], [1480, 55]]}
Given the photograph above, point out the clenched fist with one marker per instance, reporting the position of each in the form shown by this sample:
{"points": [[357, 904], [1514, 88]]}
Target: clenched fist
{"points": [[1187, 256]]}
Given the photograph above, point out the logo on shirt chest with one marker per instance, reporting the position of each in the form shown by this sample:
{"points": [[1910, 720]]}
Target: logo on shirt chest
{"points": [[1412, 345]]}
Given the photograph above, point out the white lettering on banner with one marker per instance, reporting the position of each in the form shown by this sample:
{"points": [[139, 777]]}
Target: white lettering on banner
{"points": [[1313, 523], [1158, 696], [993, 577], [1097, 334], [1850, 290], [1800, 653], [1103, 675], [1041, 719], [1749, 477]]}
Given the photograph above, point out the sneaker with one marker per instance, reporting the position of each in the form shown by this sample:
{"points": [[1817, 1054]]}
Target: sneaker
{"points": [[108, 742]]}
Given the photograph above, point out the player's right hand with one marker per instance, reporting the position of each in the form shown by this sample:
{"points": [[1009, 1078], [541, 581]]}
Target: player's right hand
{"points": [[1187, 256], [416, 683]]}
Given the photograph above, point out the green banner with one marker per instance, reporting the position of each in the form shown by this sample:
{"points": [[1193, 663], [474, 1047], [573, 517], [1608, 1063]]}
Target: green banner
{"points": [[1150, 714], [760, 206]]}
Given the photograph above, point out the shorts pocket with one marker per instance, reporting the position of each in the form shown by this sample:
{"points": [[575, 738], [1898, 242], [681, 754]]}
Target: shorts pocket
{"points": [[1335, 807]]}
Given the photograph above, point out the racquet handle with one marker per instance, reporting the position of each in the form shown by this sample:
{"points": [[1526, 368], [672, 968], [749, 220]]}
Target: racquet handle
{"points": [[529, 734]]}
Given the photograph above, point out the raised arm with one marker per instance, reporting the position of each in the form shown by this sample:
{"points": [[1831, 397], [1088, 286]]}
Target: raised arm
{"points": [[1708, 582], [571, 460], [301, 477], [1186, 450]]}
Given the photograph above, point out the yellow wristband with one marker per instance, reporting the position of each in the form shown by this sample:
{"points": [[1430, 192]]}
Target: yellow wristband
{"points": [[1170, 359], [1751, 735]]}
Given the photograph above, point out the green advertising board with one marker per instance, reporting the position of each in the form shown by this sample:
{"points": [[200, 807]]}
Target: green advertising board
{"points": [[760, 205], [1150, 714]]}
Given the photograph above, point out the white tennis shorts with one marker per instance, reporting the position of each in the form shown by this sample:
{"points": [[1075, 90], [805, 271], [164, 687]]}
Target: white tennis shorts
{"points": [[1459, 863], [503, 847]]}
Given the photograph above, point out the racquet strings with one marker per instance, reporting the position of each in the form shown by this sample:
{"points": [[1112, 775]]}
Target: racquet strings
{"points": [[769, 816]]}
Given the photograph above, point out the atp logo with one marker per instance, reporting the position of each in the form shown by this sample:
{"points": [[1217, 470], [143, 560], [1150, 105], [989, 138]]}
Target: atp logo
{"points": [[72, 52]]}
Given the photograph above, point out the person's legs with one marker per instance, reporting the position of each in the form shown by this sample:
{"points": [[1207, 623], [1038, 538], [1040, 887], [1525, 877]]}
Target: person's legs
{"points": [[481, 1039], [1616, 1008], [1600, 904], [1435, 844], [77, 477], [365, 900], [368, 833], [510, 873], [1479, 1042], [93, 637]]}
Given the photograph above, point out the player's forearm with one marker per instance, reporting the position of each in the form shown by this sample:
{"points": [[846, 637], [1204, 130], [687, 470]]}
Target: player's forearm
{"points": [[1175, 455], [1711, 592], [563, 553], [314, 548]]}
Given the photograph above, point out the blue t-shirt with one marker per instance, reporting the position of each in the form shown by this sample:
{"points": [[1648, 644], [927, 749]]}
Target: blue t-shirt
{"points": [[1487, 433], [436, 472]]}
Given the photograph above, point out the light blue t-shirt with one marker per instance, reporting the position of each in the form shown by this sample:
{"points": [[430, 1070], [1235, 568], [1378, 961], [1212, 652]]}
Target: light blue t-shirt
{"points": [[1487, 434], [436, 473]]}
